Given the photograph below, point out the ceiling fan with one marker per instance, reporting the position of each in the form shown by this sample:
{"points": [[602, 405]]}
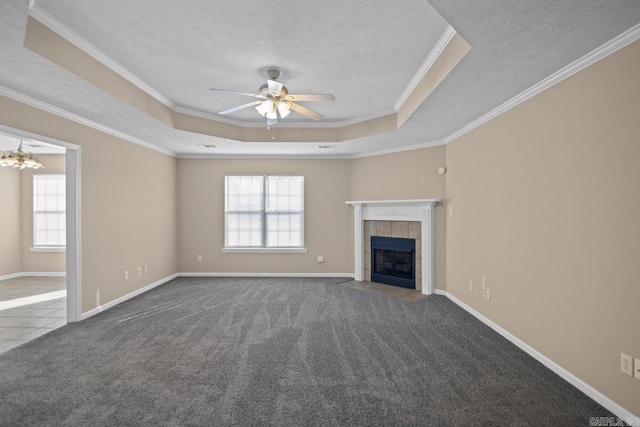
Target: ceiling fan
{"points": [[274, 100]]}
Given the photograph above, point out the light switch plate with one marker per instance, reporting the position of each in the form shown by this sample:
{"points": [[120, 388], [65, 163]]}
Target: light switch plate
{"points": [[636, 369], [626, 364]]}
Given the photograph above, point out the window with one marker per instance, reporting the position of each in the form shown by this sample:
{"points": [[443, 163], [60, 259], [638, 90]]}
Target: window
{"points": [[264, 212], [49, 211]]}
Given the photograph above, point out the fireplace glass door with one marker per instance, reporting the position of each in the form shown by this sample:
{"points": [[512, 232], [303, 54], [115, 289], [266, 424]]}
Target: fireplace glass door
{"points": [[393, 261]]}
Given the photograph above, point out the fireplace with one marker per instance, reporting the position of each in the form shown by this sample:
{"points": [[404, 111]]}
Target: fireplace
{"points": [[393, 261], [389, 213]]}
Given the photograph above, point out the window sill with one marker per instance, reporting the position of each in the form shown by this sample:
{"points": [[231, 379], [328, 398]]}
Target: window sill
{"points": [[48, 249], [264, 250]]}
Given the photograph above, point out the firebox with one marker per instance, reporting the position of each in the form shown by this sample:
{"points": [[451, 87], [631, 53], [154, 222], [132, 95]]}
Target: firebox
{"points": [[393, 261]]}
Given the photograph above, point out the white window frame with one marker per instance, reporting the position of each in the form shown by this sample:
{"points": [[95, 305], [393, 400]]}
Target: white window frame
{"points": [[263, 212], [45, 248]]}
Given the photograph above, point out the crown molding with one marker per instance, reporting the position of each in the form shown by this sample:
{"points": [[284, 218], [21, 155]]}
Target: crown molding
{"points": [[398, 149], [282, 123], [71, 36], [622, 40], [25, 99], [265, 156], [437, 50], [313, 156]]}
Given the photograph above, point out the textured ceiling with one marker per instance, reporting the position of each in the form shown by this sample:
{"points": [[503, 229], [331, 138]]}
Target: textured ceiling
{"points": [[515, 44], [181, 49]]}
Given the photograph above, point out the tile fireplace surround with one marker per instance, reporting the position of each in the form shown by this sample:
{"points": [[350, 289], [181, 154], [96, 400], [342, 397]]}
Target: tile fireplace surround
{"points": [[401, 229], [381, 211]]}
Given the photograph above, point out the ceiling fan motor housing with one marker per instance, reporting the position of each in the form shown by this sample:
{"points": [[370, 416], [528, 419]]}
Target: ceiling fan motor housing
{"points": [[264, 91], [273, 74]]}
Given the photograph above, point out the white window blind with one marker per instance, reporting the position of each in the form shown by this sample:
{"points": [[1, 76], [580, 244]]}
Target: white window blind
{"points": [[49, 210], [264, 211]]}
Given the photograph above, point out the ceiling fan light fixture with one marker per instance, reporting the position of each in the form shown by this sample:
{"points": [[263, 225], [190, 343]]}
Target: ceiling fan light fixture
{"points": [[283, 109], [265, 108], [272, 115]]}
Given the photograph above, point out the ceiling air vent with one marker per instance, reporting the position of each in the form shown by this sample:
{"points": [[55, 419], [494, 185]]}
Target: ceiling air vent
{"points": [[207, 146], [327, 146]]}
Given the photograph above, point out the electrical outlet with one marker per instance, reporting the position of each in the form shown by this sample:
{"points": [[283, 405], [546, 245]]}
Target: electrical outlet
{"points": [[626, 364], [470, 285], [450, 209], [484, 286], [199, 258], [139, 271], [636, 370], [488, 294], [126, 275], [146, 269]]}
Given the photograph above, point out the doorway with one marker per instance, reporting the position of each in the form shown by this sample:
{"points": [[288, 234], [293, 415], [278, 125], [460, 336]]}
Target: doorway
{"points": [[72, 288]]}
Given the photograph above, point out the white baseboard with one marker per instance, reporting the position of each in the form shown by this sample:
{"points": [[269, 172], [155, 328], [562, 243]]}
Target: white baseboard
{"points": [[44, 274], [222, 274], [10, 276], [603, 400], [34, 274], [126, 297], [144, 289]]}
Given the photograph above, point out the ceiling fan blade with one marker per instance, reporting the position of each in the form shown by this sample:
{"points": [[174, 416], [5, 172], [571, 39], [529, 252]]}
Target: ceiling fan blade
{"points": [[305, 111], [272, 122], [255, 95], [312, 97], [274, 86], [231, 110]]}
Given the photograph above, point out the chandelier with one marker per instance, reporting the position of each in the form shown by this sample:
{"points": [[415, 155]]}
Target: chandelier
{"points": [[20, 159]]}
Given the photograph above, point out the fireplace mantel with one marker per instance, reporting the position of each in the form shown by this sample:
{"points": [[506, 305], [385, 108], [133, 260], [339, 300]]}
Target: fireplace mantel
{"points": [[397, 210]]}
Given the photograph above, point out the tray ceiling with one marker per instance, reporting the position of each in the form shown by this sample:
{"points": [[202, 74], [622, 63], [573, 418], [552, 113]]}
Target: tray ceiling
{"points": [[365, 53]]}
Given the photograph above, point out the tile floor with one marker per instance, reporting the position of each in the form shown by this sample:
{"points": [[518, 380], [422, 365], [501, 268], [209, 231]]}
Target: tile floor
{"points": [[30, 307]]}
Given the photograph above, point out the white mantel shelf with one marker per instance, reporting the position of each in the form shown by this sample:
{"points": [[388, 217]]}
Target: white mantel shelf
{"points": [[397, 210]]}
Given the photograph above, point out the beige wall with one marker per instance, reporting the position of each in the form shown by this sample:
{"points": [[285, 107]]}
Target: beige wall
{"points": [[10, 243], [129, 213], [546, 204], [406, 175], [327, 218], [38, 261]]}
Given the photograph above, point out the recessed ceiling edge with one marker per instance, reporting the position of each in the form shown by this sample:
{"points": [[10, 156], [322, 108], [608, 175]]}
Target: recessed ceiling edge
{"points": [[61, 46]]}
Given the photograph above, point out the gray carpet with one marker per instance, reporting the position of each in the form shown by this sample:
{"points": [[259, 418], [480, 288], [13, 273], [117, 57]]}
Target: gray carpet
{"points": [[238, 351]]}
